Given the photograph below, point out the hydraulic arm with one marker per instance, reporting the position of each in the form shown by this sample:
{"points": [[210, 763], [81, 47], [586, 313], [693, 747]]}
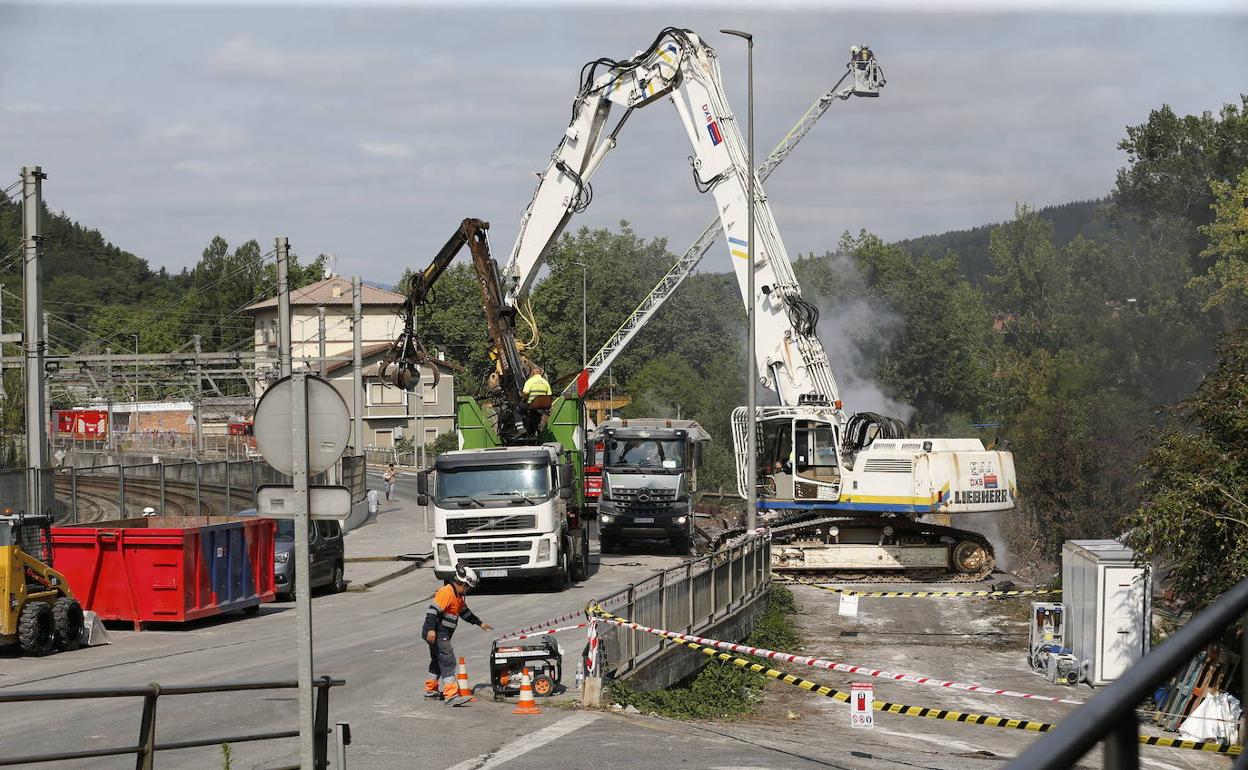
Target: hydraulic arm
{"points": [[511, 367]]}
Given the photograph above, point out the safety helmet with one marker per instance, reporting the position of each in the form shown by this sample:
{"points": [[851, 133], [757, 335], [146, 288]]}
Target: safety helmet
{"points": [[466, 575]]}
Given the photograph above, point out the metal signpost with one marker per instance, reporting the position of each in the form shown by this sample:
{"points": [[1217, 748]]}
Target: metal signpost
{"points": [[302, 427]]}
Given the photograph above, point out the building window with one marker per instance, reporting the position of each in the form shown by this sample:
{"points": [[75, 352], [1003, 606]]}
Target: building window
{"points": [[384, 438], [429, 391], [380, 394]]}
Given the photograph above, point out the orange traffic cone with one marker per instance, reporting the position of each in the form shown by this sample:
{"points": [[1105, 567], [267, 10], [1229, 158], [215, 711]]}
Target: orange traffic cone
{"points": [[527, 705], [461, 678]]}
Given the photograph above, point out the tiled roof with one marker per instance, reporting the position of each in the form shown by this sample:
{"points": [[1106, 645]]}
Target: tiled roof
{"points": [[335, 290]]}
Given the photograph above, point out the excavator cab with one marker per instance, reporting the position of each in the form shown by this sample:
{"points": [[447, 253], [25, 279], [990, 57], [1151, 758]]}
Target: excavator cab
{"points": [[798, 455]]}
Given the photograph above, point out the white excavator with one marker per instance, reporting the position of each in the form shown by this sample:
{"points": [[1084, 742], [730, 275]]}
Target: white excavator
{"points": [[840, 493]]}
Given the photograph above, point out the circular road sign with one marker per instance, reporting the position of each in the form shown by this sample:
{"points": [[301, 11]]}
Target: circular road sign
{"points": [[329, 425]]}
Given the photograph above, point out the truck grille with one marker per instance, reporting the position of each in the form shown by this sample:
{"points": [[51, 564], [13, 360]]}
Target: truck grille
{"points": [[657, 501], [496, 561], [461, 526], [487, 546]]}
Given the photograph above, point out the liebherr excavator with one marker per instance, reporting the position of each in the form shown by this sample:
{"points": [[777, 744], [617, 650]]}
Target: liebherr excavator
{"points": [[838, 492]]}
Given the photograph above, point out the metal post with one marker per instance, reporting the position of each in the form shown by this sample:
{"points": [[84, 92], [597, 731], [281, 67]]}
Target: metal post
{"points": [[229, 507], [1122, 746], [162, 489], [710, 563], [32, 340], [199, 417], [751, 345], [663, 605], [632, 632], [320, 725], [418, 446], [47, 384], [73, 493], [303, 591], [689, 583], [283, 305], [343, 733], [121, 484], [136, 375], [145, 758], [320, 328], [357, 347], [112, 441]]}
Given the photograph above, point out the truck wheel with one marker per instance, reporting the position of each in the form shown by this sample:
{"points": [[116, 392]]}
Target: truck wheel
{"points": [[607, 543], [36, 629], [682, 544], [555, 581], [69, 621]]}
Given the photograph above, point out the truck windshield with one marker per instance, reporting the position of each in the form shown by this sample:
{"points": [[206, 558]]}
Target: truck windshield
{"points": [[493, 483], [645, 453]]}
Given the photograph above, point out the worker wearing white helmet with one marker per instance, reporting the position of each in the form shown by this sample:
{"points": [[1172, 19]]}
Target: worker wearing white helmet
{"points": [[441, 619]]}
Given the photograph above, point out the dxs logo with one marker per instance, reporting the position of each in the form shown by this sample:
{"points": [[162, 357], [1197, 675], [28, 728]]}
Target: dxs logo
{"points": [[712, 127]]}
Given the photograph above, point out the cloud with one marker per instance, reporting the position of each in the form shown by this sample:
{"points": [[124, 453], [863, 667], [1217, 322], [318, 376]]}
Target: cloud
{"points": [[244, 59], [386, 149]]}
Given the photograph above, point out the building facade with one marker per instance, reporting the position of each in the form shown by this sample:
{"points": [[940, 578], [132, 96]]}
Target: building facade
{"points": [[390, 414]]}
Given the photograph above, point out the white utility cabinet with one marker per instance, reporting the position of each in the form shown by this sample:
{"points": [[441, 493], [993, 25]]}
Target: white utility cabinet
{"points": [[1108, 605]]}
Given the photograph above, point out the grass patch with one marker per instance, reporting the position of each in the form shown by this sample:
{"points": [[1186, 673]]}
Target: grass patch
{"points": [[720, 690]]}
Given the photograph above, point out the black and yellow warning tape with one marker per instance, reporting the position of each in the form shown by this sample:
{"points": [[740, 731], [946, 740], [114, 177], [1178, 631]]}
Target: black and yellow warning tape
{"points": [[924, 711], [920, 594]]}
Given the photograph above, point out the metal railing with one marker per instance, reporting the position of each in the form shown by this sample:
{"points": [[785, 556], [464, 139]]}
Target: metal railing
{"points": [[690, 598], [122, 490], [387, 455], [1111, 717], [146, 748]]}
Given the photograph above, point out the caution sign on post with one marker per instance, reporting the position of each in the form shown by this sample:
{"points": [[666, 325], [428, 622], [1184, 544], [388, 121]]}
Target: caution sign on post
{"points": [[861, 696]]}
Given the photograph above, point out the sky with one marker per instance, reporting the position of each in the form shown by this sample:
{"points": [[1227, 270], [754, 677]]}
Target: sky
{"points": [[370, 132]]}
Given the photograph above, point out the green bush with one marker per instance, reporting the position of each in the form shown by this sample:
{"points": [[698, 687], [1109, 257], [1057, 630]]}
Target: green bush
{"points": [[721, 690]]}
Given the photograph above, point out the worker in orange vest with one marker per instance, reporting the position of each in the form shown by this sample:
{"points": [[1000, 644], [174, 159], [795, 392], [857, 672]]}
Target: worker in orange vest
{"points": [[443, 615]]}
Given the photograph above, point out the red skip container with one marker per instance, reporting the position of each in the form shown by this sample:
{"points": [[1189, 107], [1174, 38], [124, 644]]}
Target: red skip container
{"points": [[167, 569]]}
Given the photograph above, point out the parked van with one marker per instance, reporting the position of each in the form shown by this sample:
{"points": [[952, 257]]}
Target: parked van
{"points": [[326, 554]]}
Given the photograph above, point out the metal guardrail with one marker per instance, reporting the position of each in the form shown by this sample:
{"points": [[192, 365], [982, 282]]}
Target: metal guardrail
{"points": [[124, 489], [388, 455], [1110, 716], [690, 597], [145, 750]]}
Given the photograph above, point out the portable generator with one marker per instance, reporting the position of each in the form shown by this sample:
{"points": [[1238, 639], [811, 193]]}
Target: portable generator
{"points": [[543, 659], [1064, 668], [1046, 634]]}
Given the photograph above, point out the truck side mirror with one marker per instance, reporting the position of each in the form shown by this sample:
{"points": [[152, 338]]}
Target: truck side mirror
{"points": [[422, 500], [567, 475], [422, 482], [565, 493]]}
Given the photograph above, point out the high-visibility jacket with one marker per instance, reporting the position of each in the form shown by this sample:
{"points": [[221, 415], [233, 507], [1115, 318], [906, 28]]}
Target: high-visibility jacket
{"points": [[445, 611], [536, 385]]}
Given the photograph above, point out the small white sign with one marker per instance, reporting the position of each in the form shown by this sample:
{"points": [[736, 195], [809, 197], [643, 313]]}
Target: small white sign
{"points": [[277, 501], [861, 696], [848, 606]]}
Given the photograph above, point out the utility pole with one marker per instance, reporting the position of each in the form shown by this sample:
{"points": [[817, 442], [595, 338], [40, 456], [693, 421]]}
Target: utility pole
{"points": [[357, 361], [47, 384], [136, 375], [418, 445], [112, 442], [3, 394], [198, 413], [751, 484], [283, 304], [320, 325], [36, 409]]}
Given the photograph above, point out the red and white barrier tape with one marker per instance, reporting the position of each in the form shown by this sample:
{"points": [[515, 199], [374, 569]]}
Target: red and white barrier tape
{"points": [[543, 633], [842, 667], [544, 624]]}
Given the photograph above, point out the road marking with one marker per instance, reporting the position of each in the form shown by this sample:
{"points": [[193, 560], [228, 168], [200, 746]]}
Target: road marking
{"points": [[528, 743]]}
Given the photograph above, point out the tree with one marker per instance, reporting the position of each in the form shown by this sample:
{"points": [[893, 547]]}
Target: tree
{"points": [[1171, 160], [1225, 285], [1194, 515]]}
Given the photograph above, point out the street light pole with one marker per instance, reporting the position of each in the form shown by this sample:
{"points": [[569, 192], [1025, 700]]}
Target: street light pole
{"points": [[136, 375], [751, 486], [584, 313]]}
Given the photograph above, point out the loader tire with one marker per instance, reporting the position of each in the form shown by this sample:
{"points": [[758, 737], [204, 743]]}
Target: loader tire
{"points": [[69, 621], [36, 630]]}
